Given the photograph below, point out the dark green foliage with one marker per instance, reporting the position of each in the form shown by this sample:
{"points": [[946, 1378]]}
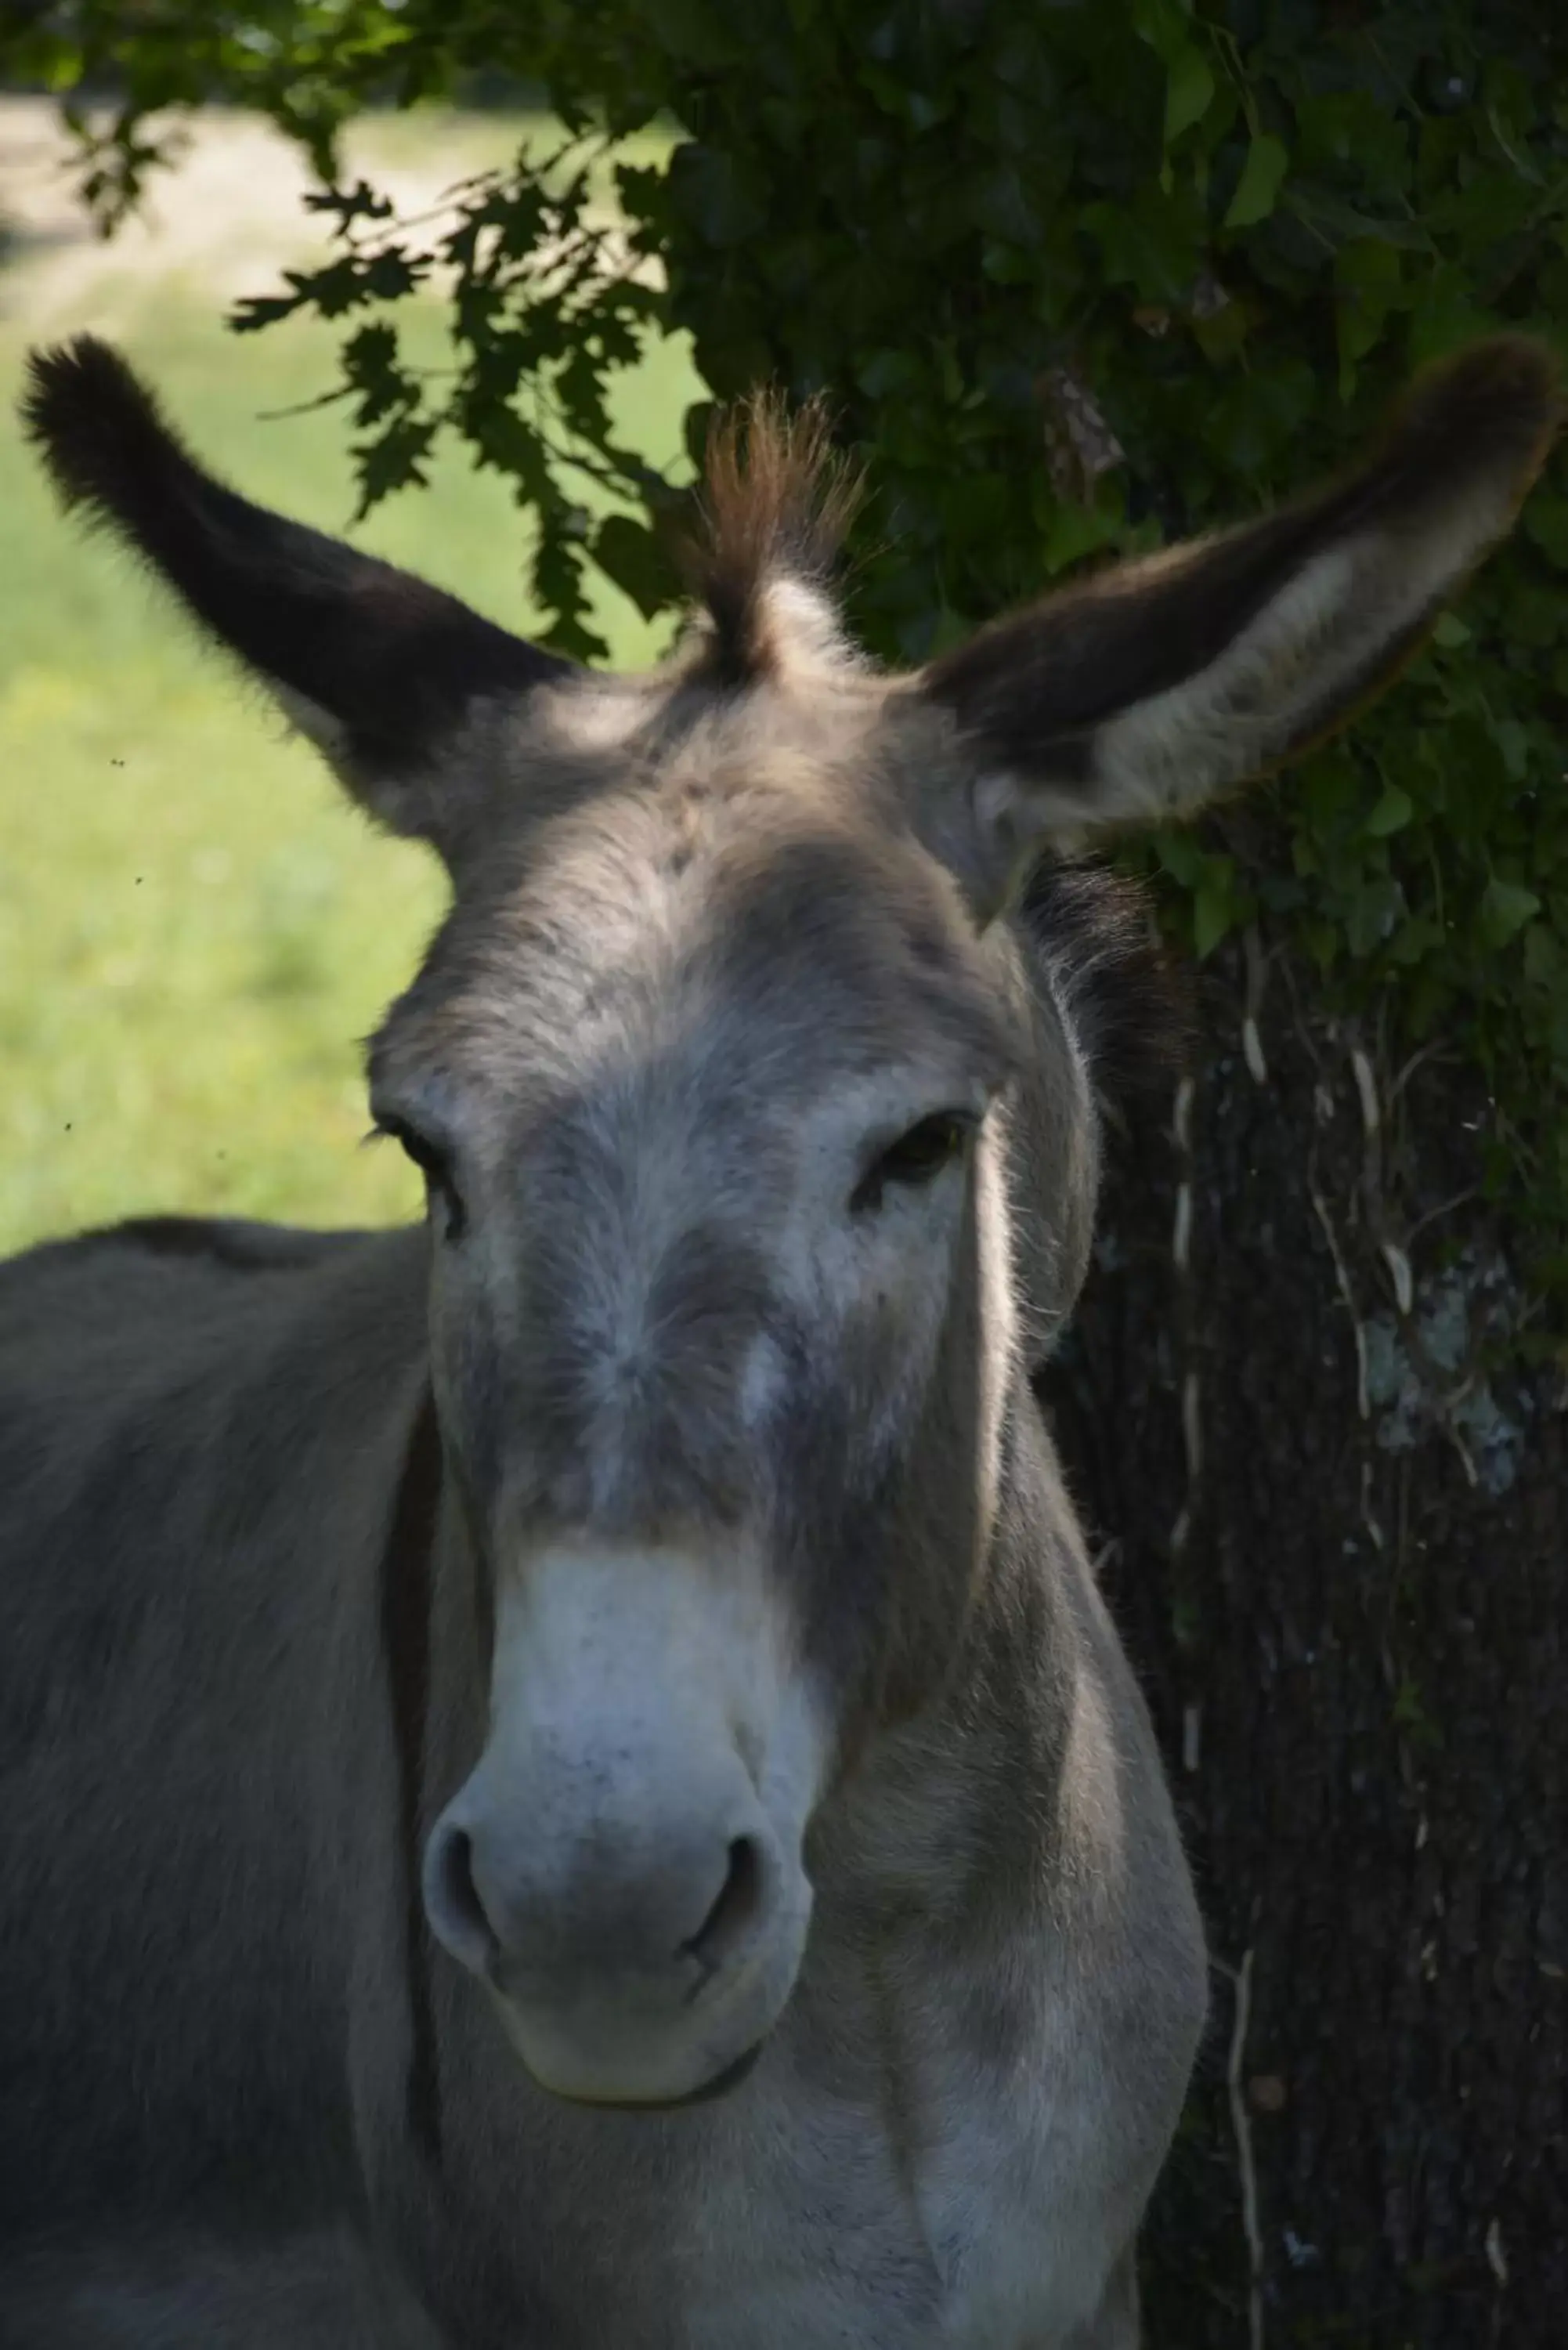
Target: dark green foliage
{"points": [[547, 300], [1080, 275]]}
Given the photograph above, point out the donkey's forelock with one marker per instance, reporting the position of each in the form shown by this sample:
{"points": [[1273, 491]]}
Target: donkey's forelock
{"points": [[778, 501]]}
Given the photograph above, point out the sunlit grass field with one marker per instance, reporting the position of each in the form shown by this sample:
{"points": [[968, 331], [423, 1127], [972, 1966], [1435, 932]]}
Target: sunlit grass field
{"points": [[196, 929]]}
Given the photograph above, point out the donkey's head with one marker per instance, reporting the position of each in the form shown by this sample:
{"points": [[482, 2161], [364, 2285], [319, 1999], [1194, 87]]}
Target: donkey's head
{"points": [[756, 1149]]}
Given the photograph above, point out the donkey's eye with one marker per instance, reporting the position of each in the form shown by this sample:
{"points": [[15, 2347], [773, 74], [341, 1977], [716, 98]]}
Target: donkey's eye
{"points": [[436, 1169], [917, 1157]]}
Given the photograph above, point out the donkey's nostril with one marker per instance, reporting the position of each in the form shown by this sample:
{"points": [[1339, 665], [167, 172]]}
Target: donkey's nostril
{"points": [[734, 1913], [451, 1899]]}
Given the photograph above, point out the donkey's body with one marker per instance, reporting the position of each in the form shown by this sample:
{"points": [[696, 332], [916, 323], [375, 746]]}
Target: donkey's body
{"points": [[214, 2044], [566, 1782]]}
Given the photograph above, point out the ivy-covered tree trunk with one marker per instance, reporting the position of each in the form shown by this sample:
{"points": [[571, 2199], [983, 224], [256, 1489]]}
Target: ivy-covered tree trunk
{"points": [[1336, 1537]]}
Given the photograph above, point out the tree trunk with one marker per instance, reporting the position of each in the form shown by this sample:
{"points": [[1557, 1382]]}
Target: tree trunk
{"points": [[1344, 1583]]}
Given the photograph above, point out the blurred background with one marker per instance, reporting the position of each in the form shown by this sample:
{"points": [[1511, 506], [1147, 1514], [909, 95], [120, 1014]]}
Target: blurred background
{"points": [[196, 927]]}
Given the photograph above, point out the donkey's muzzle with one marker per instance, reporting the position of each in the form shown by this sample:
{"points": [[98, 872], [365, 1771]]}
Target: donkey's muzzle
{"points": [[629, 1969], [623, 1868]]}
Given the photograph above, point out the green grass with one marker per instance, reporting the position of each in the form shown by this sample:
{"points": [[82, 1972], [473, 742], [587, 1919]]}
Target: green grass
{"points": [[195, 928]]}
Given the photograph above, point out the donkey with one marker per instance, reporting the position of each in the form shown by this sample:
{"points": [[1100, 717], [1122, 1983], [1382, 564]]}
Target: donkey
{"points": [[568, 1784]]}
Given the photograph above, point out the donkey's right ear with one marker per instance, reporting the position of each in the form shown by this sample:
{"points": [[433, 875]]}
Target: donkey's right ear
{"points": [[378, 668]]}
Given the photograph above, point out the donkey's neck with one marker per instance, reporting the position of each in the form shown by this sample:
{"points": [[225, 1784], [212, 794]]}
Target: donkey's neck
{"points": [[948, 1821]]}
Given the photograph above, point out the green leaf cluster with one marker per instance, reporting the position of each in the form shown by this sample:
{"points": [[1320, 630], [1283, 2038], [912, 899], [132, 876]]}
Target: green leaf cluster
{"points": [[1234, 227], [546, 297]]}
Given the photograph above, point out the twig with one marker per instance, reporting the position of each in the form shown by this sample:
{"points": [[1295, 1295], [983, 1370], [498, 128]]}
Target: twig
{"points": [[1341, 1275], [1444, 1208], [1240, 2122], [1435, 1051], [1181, 1261], [1257, 973]]}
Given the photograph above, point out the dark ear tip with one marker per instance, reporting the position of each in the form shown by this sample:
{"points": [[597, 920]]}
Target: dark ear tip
{"points": [[80, 405], [61, 377], [1496, 402]]}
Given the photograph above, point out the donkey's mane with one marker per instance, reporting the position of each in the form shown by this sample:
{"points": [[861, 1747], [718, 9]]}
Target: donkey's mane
{"points": [[778, 499], [1133, 1005]]}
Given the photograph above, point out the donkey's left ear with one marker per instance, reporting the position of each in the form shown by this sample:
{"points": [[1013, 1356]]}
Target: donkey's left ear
{"points": [[381, 671], [1156, 686]]}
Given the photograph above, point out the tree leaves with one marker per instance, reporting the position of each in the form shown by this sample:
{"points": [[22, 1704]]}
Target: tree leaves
{"points": [[1505, 907], [1368, 282], [1238, 231], [1262, 174], [1189, 91], [1153, 242], [1392, 812], [629, 553]]}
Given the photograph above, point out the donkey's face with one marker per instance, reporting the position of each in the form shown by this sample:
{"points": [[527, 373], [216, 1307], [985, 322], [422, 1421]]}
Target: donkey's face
{"points": [[701, 1069], [722, 1072]]}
